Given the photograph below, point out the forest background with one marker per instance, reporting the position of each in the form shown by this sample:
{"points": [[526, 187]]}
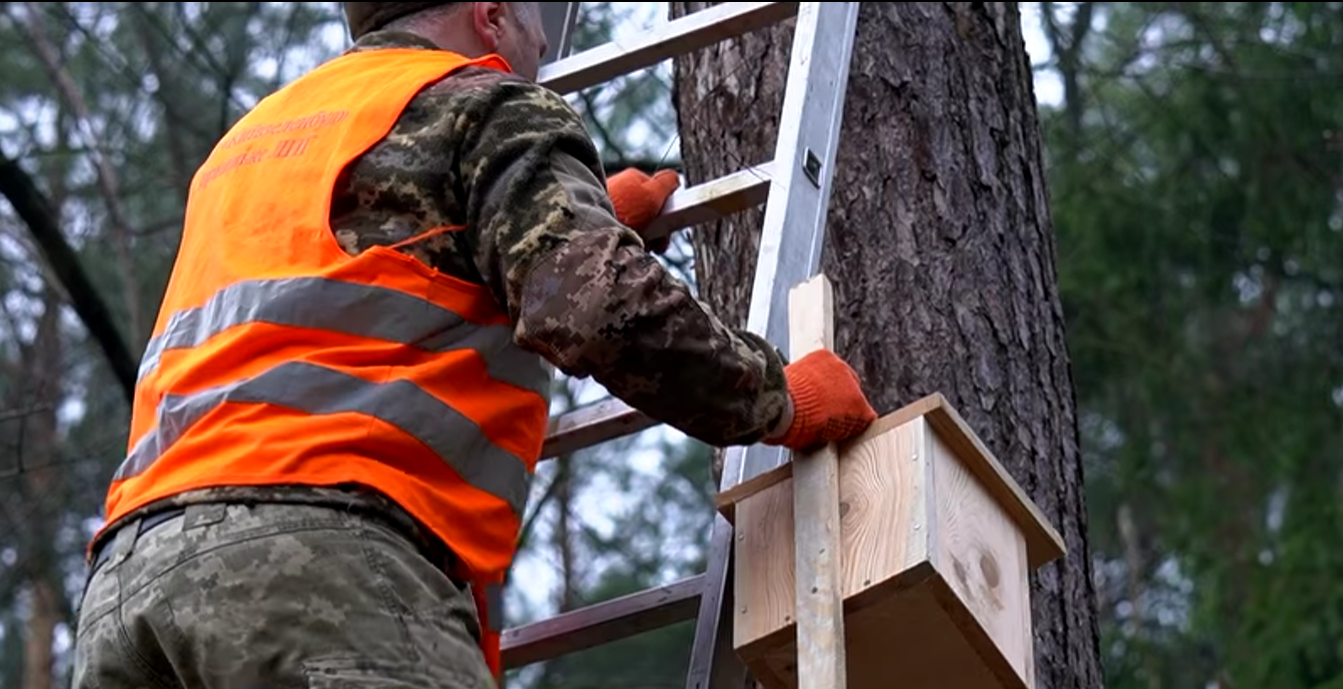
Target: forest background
{"points": [[1194, 154]]}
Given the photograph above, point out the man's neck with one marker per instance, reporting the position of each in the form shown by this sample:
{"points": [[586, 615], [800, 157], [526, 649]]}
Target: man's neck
{"points": [[381, 40]]}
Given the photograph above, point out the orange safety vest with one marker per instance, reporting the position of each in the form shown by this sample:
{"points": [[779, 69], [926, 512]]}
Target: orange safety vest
{"points": [[277, 358]]}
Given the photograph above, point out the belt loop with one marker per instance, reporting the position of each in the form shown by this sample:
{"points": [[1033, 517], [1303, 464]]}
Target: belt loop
{"points": [[202, 515], [123, 543]]}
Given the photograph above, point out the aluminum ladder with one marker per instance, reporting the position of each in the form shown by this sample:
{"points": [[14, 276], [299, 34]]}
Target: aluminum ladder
{"points": [[795, 188]]}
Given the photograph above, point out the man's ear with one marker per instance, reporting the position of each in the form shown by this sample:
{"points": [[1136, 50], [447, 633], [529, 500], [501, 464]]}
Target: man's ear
{"points": [[487, 18]]}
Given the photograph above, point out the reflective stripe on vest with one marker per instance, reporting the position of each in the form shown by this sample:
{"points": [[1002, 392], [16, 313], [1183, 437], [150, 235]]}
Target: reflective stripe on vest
{"points": [[355, 309], [278, 358], [363, 310], [316, 390]]}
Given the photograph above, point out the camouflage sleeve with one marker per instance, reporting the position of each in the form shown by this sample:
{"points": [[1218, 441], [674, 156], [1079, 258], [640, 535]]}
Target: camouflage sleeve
{"points": [[584, 293]]}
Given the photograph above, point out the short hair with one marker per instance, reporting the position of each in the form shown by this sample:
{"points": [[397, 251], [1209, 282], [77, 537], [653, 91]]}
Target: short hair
{"points": [[364, 17], [421, 17]]}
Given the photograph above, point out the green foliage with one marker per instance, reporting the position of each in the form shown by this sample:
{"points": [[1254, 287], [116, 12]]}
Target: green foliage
{"points": [[1200, 223]]}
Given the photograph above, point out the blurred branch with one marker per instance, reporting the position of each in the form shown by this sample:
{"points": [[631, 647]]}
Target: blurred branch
{"points": [[596, 122], [1067, 49], [528, 526], [14, 414], [36, 212], [107, 180], [563, 534]]}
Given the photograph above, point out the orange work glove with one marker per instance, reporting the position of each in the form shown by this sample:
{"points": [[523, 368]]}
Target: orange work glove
{"points": [[639, 198], [828, 402]]}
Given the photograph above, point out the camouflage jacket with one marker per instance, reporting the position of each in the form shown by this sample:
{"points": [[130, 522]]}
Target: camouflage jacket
{"points": [[512, 162], [522, 174]]}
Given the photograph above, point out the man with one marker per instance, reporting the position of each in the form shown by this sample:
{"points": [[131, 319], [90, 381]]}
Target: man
{"points": [[346, 391]]}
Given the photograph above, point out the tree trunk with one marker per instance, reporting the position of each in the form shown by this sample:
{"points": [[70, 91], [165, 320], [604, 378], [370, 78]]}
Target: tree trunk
{"points": [[939, 245], [41, 497], [39, 634]]}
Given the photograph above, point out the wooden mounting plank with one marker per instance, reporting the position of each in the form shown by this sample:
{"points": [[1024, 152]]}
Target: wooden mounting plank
{"points": [[602, 623], [821, 649], [677, 37]]}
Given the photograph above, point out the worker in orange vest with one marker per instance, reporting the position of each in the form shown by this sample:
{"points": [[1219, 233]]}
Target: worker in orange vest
{"points": [[346, 391]]}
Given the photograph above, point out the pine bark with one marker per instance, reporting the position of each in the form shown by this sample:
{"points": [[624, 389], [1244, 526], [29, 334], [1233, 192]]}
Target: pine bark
{"points": [[939, 245]]}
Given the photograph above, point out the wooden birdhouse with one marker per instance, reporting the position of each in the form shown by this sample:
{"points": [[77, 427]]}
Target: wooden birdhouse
{"points": [[936, 542]]}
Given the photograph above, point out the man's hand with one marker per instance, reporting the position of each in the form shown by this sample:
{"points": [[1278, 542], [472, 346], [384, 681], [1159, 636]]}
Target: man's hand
{"points": [[828, 402], [639, 198]]}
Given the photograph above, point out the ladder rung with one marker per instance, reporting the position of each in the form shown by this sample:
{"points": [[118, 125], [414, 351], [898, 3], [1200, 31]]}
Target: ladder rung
{"points": [[591, 425], [677, 37], [714, 199], [602, 623]]}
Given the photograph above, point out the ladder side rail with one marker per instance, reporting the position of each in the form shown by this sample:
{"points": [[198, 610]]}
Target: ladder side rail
{"points": [[792, 236], [793, 232], [713, 658], [558, 19]]}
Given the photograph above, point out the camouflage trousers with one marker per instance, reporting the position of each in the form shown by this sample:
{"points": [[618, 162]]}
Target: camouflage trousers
{"points": [[271, 596]]}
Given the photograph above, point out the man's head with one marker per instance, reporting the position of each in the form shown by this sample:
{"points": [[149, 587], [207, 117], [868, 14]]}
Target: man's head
{"points": [[512, 30]]}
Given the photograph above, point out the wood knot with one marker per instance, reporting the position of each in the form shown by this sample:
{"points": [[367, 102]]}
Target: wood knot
{"points": [[961, 574], [989, 568]]}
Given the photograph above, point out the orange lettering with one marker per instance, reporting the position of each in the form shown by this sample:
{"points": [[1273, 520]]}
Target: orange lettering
{"points": [[249, 157], [317, 120], [292, 148]]}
